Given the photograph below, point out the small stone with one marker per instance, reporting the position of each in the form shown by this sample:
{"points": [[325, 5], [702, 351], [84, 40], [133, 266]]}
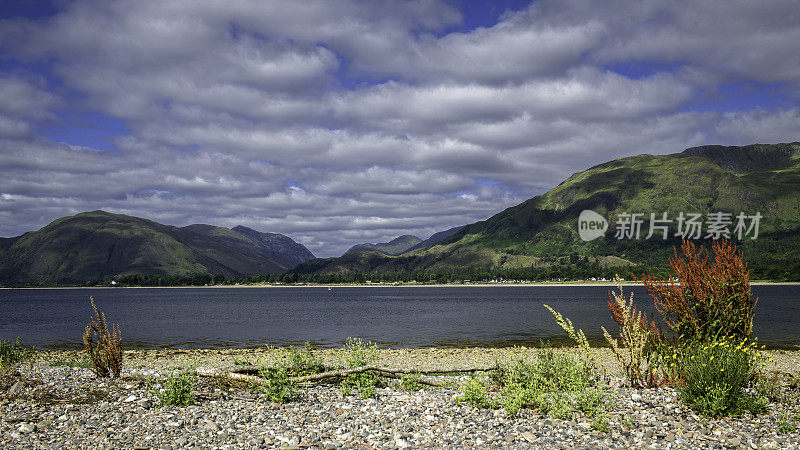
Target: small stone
{"points": [[17, 388], [734, 441], [26, 427], [636, 397], [402, 443], [509, 438], [211, 426], [528, 436], [132, 398], [670, 437], [181, 441], [584, 426]]}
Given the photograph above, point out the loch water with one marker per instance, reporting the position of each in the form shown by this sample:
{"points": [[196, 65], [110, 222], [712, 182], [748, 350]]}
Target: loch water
{"points": [[406, 316]]}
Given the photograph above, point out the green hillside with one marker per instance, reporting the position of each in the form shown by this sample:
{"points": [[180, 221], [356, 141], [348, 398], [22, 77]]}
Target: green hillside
{"points": [[543, 231], [97, 245]]}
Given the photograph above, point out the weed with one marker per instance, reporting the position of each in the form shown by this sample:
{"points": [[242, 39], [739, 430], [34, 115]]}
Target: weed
{"points": [[787, 425], [411, 382], [475, 391], [106, 352], [178, 389], [715, 375], [634, 335], [709, 300], [576, 335], [357, 353], [600, 423], [277, 387], [241, 362], [82, 363], [590, 401], [302, 361], [554, 383], [12, 353]]}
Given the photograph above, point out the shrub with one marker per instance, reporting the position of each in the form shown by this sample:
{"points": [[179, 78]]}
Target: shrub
{"points": [[475, 392], [106, 351], [634, 334], [12, 353], [357, 353], [410, 382], [277, 387], [302, 361], [177, 390], [555, 383], [709, 300], [714, 376]]}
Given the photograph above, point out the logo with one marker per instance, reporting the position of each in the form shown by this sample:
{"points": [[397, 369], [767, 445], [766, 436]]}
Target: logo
{"points": [[591, 225]]}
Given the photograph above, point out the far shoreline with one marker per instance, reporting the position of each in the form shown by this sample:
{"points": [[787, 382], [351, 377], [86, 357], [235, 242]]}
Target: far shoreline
{"points": [[376, 285]]}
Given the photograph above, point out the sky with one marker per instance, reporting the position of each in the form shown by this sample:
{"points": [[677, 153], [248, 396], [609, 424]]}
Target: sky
{"points": [[338, 122]]}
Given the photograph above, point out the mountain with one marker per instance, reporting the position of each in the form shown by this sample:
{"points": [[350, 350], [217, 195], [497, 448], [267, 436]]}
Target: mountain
{"points": [[97, 244], [396, 246], [543, 230], [435, 238]]}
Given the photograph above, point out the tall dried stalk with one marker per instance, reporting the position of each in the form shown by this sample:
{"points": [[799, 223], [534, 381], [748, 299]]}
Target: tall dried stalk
{"points": [[106, 352], [634, 334]]}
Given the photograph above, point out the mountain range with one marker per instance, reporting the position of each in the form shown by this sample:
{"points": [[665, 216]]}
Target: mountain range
{"points": [[98, 244], [404, 244], [760, 180], [754, 179]]}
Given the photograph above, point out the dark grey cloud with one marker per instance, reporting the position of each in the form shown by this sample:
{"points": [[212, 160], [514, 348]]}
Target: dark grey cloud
{"points": [[338, 121]]}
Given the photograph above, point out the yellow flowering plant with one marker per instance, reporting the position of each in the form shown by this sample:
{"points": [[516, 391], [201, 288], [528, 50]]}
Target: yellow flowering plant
{"points": [[714, 377]]}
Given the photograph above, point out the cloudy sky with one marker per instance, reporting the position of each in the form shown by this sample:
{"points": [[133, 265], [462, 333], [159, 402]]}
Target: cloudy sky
{"points": [[338, 122]]}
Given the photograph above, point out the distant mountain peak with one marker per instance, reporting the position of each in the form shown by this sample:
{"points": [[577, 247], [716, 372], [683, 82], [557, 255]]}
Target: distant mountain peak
{"points": [[394, 247]]}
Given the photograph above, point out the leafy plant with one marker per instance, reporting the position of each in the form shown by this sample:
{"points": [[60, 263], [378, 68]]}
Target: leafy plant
{"points": [[357, 353], [475, 392], [600, 423], [710, 299], [82, 363], [12, 353], [634, 334], [302, 361], [554, 383], [786, 425], [277, 386], [714, 377], [103, 346], [410, 382], [241, 362], [178, 389]]}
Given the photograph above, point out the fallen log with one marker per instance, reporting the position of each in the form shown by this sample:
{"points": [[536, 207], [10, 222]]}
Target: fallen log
{"points": [[243, 374]]}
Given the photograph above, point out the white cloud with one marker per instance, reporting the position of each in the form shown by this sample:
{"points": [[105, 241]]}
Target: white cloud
{"points": [[339, 121]]}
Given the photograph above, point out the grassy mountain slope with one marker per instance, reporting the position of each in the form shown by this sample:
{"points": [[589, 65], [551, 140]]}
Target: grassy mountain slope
{"points": [[98, 244], [539, 231]]}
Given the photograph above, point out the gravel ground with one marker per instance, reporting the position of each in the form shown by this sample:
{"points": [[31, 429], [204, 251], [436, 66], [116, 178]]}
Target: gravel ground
{"points": [[48, 404]]}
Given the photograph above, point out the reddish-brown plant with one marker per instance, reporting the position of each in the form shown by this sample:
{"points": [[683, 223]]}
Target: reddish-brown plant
{"points": [[104, 346], [710, 298]]}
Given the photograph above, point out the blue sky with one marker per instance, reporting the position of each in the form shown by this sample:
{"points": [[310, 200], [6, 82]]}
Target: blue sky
{"points": [[341, 121]]}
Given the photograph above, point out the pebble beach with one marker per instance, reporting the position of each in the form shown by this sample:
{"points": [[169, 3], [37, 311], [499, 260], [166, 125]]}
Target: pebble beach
{"points": [[52, 401]]}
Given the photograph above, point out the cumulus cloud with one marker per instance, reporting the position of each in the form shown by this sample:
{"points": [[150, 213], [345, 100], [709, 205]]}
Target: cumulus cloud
{"points": [[346, 121]]}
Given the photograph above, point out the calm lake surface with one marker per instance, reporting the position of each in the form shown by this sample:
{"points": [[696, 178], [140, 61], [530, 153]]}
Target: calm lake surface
{"points": [[389, 316]]}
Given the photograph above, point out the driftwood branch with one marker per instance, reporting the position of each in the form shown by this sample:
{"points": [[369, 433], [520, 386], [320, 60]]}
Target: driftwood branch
{"points": [[247, 374]]}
